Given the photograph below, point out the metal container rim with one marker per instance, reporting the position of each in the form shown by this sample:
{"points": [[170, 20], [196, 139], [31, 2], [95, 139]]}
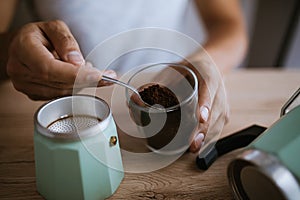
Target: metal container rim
{"points": [[88, 132]]}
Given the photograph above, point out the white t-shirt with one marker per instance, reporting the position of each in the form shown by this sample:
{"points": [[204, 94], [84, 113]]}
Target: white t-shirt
{"points": [[94, 22]]}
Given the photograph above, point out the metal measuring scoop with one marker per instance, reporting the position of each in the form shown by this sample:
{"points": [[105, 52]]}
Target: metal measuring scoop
{"points": [[136, 97]]}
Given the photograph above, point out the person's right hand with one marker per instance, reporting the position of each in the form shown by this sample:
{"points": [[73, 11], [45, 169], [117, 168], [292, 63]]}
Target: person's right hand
{"points": [[44, 61]]}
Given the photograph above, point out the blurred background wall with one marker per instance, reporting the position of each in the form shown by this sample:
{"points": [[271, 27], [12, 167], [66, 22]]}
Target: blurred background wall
{"points": [[274, 31]]}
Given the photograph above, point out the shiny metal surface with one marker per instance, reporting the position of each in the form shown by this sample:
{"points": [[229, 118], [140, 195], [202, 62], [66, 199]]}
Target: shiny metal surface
{"points": [[71, 124], [293, 102], [106, 78], [258, 175], [73, 117]]}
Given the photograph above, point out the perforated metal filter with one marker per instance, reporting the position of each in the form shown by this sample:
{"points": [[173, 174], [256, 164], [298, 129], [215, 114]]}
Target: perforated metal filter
{"points": [[72, 124]]}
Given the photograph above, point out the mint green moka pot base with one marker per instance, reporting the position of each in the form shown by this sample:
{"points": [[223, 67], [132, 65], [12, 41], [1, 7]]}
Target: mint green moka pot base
{"points": [[80, 168], [269, 168], [282, 140]]}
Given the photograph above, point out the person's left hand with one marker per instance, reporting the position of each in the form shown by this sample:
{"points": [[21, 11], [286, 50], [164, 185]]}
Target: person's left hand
{"points": [[212, 109], [212, 103]]}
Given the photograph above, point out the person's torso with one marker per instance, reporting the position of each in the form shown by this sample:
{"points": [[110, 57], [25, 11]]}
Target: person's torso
{"points": [[95, 22]]}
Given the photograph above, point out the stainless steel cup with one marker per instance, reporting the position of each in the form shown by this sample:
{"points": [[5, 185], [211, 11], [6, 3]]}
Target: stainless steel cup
{"points": [[77, 155]]}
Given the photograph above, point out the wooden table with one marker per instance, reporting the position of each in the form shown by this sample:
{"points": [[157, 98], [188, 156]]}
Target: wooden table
{"points": [[255, 97]]}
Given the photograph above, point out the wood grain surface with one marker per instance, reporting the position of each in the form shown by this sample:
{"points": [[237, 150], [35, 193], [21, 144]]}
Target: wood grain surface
{"points": [[255, 97]]}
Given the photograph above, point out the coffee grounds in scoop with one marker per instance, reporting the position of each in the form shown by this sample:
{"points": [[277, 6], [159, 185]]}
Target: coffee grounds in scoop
{"points": [[157, 94]]}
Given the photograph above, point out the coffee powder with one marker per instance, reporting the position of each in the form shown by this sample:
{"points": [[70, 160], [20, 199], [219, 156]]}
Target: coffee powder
{"points": [[157, 94]]}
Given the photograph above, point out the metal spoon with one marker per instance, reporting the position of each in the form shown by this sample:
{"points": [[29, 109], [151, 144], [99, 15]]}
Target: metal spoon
{"points": [[140, 100]]}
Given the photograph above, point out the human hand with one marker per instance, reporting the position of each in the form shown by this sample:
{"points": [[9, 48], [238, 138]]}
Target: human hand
{"points": [[210, 109], [44, 61], [213, 110]]}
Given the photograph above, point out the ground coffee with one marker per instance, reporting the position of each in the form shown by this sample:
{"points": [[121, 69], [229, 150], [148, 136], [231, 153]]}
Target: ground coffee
{"points": [[157, 94], [153, 94]]}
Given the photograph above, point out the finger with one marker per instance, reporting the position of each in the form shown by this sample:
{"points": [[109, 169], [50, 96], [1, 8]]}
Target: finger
{"points": [[61, 76], [204, 102], [97, 76], [63, 41], [41, 92], [203, 113], [51, 72], [17, 71], [93, 78], [200, 133], [30, 48], [110, 74], [44, 69], [21, 73], [197, 142], [33, 60]]}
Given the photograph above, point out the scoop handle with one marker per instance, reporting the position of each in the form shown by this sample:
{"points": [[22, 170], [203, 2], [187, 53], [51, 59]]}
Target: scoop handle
{"points": [[106, 78], [234, 141]]}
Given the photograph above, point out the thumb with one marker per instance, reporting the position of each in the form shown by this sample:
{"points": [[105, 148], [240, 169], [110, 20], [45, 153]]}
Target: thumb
{"points": [[63, 42]]}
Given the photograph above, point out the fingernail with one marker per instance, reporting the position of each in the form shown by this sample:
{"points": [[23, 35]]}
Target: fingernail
{"points": [[93, 78], [204, 113], [95, 75], [110, 74], [75, 57], [88, 65], [199, 139]]}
